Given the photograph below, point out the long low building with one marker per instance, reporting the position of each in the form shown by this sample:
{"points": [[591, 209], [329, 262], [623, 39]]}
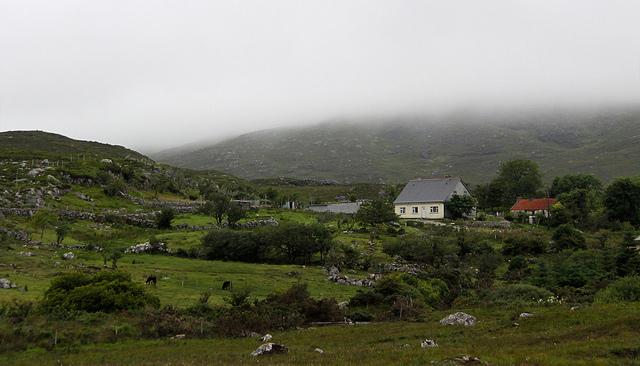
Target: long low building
{"points": [[341, 207], [426, 198]]}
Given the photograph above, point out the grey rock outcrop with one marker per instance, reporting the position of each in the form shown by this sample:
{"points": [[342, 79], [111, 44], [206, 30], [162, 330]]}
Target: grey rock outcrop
{"points": [[459, 318], [269, 349], [6, 284], [429, 343]]}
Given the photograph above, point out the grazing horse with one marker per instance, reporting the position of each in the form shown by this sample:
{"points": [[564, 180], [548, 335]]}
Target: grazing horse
{"points": [[227, 285], [151, 280]]}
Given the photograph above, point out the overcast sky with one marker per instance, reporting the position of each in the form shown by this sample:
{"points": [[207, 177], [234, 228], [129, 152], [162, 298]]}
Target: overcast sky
{"points": [[151, 74]]}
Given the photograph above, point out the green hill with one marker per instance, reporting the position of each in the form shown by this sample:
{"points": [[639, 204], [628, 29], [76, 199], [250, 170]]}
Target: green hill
{"points": [[472, 145], [39, 144]]}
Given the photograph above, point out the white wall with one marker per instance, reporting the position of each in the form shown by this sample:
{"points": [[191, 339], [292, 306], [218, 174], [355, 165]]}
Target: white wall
{"points": [[424, 210]]}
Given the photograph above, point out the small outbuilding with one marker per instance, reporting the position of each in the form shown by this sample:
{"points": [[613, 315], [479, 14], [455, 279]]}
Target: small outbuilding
{"points": [[533, 206]]}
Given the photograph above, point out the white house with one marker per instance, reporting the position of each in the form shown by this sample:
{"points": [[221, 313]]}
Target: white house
{"points": [[426, 198]]}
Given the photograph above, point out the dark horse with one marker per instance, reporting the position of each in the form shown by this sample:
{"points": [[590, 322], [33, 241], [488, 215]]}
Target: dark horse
{"points": [[227, 285], [151, 280]]}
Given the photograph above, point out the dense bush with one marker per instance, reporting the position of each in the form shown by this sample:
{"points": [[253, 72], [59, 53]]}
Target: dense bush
{"points": [[518, 293], [625, 289], [522, 243], [286, 243], [393, 286], [103, 292], [285, 310], [243, 246], [114, 187], [164, 218], [584, 268], [567, 237], [430, 250]]}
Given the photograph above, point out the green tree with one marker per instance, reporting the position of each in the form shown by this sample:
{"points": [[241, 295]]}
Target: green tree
{"points": [[489, 196], [580, 203], [628, 259], [115, 187], [43, 219], [570, 182], [378, 211], [517, 178], [164, 218], [460, 206], [234, 214], [622, 200], [567, 237], [61, 232], [217, 205]]}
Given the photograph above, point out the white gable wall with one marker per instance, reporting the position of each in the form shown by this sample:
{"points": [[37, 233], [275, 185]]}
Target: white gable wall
{"points": [[425, 210]]}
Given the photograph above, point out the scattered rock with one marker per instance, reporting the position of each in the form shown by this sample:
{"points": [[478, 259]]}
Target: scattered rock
{"points": [[334, 275], [574, 308], [429, 343], [343, 305], [526, 315], [266, 338], [270, 349], [148, 248], [252, 335], [35, 172], [27, 254], [459, 318], [68, 256], [464, 360], [260, 222], [6, 284], [179, 336], [106, 161], [319, 350]]}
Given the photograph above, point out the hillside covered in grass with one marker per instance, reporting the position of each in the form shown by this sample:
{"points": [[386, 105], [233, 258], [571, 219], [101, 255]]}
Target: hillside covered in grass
{"points": [[472, 145], [42, 145]]}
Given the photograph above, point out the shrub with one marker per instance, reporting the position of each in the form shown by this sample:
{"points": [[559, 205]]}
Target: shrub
{"points": [[115, 187], [518, 293], [286, 243], [429, 250], [583, 268], [567, 237], [232, 245], [518, 268], [105, 292], [164, 218], [626, 289], [522, 243], [394, 286]]}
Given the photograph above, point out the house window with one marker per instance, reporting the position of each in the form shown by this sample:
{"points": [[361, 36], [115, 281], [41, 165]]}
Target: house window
{"points": [[433, 209], [414, 209], [403, 210]]}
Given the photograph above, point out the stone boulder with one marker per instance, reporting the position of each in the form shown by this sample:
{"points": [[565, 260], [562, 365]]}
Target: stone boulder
{"points": [[266, 338], [429, 343], [6, 284], [269, 349], [526, 315], [459, 318], [68, 256], [464, 360]]}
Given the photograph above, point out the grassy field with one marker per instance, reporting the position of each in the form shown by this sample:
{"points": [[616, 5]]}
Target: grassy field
{"points": [[180, 281], [593, 335]]}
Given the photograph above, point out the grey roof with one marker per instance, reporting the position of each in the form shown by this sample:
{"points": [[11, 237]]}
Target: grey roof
{"points": [[429, 190], [345, 207]]}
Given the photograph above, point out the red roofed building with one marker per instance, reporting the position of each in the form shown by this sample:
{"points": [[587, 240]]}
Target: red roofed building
{"points": [[533, 206]]}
